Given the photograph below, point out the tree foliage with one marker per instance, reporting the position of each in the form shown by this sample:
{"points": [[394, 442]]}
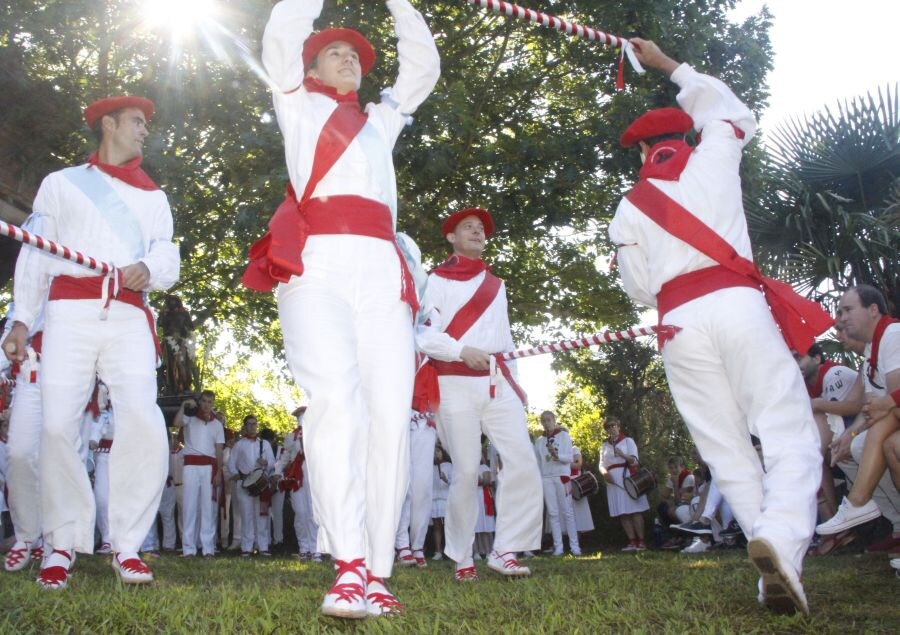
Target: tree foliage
{"points": [[828, 216]]}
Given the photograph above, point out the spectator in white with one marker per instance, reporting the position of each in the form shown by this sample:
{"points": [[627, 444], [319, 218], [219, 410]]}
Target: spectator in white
{"points": [[830, 381], [229, 517], [204, 439], [276, 507], [554, 455], [292, 468], [885, 494], [677, 494], [416, 513], [486, 520], [862, 312], [249, 454], [618, 455], [443, 474]]}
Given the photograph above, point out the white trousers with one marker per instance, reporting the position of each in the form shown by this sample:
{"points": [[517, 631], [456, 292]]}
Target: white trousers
{"points": [[416, 512], [101, 493], [199, 509], [349, 343], [885, 495], [558, 500], [226, 515], [77, 343], [276, 514], [23, 448], [167, 514], [466, 411], [732, 375], [304, 524], [254, 524]]}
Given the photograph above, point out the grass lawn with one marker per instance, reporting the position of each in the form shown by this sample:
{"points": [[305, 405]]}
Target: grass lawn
{"points": [[655, 592]]}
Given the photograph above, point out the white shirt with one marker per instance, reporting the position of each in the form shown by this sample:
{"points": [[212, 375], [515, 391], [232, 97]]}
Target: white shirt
{"points": [[709, 187], [490, 332], [64, 213], [888, 360], [608, 452], [366, 168], [555, 467], [293, 445], [245, 453], [201, 438], [837, 383]]}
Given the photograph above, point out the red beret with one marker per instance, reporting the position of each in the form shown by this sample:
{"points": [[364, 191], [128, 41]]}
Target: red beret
{"points": [[111, 104], [655, 123], [323, 38], [454, 219]]}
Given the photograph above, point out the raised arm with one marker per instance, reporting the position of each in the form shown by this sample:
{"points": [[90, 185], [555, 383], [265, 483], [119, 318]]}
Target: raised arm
{"points": [[290, 23], [420, 64]]}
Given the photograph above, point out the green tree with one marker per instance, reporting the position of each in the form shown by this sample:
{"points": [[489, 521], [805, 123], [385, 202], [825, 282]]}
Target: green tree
{"points": [[826, 216]]}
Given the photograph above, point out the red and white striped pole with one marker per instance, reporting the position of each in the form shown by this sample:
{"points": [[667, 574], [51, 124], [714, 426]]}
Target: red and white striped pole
{"points": [[17, 233], [606, 337], [571, 28]]}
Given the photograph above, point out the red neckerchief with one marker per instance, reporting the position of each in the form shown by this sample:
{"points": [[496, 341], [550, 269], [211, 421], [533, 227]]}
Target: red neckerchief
{"points": [[666, 160], [554, 433], [204, 418], [883, 323], [619, 439], [130, 173], [313, 85], [681, 476], [816, 389], [251, 437], [460, 268]]}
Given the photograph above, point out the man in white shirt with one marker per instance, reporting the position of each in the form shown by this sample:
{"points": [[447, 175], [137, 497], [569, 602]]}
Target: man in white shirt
{"points": [[555, 453], [111, 210], [249, 454], [204, 439], [346, 298], [478, 393]]}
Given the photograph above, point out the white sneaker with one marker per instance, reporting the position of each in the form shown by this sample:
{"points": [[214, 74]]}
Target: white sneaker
{"points": [[895, 563], [780, 589], [506, 564], [848, 515], [697, 546], [437, 556]]}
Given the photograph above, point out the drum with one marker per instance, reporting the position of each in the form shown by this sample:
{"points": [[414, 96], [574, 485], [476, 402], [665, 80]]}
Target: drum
{"points": [[639, 483], [584, 485], [256, 482]]}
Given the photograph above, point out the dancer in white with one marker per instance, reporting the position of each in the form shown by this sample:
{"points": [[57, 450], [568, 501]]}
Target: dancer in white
{"points": [[683, 248], [346, 310], [468, 324], [108, 208]]}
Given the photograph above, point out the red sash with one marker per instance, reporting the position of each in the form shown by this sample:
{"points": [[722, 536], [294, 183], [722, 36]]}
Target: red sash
{"points": [[105, 446], [91, 288], [799, 319], [469, 313], [293, 475], [488, 501], [276, 256]]}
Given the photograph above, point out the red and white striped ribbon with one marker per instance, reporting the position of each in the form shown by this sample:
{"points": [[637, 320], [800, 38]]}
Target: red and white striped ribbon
{"points": [[19, 234], [571, 28], [591, 340]]}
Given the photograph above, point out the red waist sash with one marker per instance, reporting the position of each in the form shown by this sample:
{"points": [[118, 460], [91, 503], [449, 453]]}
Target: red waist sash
{"points": [[91, 288], [457, 368], [105, 446], [199, 459], [696, 284]]}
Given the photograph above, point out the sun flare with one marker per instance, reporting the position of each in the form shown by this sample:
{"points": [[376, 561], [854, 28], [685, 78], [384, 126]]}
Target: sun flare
{"points": [[180, 17]]}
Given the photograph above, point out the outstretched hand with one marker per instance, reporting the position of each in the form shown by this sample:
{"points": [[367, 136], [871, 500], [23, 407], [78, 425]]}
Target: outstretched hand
{"points": [[649, 54]]}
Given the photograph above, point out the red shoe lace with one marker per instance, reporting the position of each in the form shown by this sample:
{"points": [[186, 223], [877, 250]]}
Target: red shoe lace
{"points": [[15, 556], [348, 591], [387, 600], [56, 575], [510, 563], [468, 573], [133, 565], [37, 553]]}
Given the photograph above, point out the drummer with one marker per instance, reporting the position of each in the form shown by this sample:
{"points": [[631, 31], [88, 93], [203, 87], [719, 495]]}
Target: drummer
{"points": [[554, 455], [252, 463], [618, 458]]}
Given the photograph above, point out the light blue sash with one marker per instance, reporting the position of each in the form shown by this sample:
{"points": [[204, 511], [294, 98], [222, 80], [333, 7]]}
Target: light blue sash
{"points": [[115, 212]]}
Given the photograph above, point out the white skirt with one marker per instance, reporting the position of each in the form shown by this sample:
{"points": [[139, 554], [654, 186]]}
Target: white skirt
{"points": [[618, 499]]}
